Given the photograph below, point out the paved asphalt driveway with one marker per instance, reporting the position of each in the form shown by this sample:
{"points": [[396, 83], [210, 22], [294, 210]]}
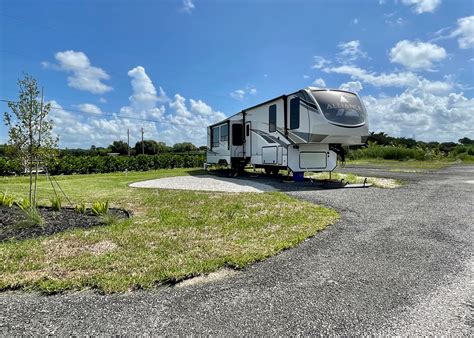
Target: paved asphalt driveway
{"points": [[398, 262]]}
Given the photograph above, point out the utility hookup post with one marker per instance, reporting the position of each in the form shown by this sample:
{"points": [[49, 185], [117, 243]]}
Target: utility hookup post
{"points": [[143, 145], [128, 142]]}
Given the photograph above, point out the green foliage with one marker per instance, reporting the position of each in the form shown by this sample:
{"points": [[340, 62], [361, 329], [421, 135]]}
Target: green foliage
{"points": [[109, 219], [56, 204], [24, 204], [184, 147], [32, 218], [80, 208], [6, 200], [100, 208], [119, 147], [151, 147], [387, 152], [466, 141]]}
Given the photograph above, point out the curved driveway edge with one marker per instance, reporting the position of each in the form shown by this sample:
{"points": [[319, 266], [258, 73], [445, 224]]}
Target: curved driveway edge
{"points": [[398, 260]]}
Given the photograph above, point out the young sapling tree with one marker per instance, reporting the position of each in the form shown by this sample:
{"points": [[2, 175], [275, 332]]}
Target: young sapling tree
{"points": [[30, 131]]}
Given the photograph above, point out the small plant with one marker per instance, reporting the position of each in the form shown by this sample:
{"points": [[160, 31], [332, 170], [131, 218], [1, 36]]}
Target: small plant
{"points": [[32, 218], [100, 208], [109, 219], [80, 208], [6, 200], [56, 204], [24, 204]]}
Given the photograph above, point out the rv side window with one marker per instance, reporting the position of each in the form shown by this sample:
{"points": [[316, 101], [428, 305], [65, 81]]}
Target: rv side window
{"points": [[272, 118], [237, 135], [295, 113], [247, 130], [215, 136], [225, 133]]}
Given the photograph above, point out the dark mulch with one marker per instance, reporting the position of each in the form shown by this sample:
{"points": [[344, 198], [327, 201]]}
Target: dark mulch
{"points": [[55, 221]]}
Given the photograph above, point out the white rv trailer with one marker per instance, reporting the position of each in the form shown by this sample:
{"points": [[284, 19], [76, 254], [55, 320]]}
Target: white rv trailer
{"points": [[302, 131]]}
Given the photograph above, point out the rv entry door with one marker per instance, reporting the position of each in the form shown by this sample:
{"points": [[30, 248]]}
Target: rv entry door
{"points": [[248, 139]]}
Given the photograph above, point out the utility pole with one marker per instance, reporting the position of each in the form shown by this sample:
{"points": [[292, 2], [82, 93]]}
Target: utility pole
{"points": [[143, 145], [128, 141]]}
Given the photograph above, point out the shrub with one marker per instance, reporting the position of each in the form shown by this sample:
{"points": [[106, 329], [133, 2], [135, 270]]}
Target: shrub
{"points": [[100, 208], [105, 164], [387, 153]]}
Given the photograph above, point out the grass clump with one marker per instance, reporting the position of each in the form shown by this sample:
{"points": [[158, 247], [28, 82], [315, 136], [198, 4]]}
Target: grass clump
{"points": [[6, 200], [173, 235], [80, 208], [56, 204], [32, 218], [109, 218]]}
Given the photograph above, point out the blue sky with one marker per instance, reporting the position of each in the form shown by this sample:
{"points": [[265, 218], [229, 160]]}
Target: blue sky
{"points": [[189, 63]]}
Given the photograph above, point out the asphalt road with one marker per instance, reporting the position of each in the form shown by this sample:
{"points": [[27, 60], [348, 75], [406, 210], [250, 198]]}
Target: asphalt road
{"points": [[399, 262]]}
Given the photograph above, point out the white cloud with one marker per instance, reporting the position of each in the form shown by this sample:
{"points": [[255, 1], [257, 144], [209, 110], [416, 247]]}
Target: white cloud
{"points": [[187, 6], [306, 77], [83, 76], [352, 86], [320, 62], [144, 95], [395, 21], [319, 83], [89, 108], [355, 21], [350, 52], [103, 100], [423, 6], [176, 122], [240, 94], [465, 32], [428, 116], [402, 79], [417, 55]]}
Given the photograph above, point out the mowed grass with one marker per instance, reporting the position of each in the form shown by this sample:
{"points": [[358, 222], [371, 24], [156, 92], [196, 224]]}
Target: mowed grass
{"points": [[172, 235]]}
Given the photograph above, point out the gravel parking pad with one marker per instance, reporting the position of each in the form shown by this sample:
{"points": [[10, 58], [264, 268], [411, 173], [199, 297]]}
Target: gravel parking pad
{"points": [[204, 183]]}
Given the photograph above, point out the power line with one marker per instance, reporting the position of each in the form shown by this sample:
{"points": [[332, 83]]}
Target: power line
{"points": [[119, 116]]}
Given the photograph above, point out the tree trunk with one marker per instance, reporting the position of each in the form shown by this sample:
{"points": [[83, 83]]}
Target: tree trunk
{"points": [[30, 150], [35, 196]]}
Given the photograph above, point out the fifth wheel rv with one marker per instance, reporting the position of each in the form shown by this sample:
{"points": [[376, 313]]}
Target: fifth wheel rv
{"points": [[302, 131]]}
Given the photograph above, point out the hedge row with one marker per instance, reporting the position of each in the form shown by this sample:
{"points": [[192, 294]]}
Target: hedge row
{"points": [[374, 151], [105, 164]]}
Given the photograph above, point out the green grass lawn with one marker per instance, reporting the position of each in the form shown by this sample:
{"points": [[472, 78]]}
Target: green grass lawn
{"points": [[172, 235]]}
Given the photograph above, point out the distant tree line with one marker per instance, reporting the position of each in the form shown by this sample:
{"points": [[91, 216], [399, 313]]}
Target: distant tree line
{"points": [[150, 147], [380, 145], [385, 140]]}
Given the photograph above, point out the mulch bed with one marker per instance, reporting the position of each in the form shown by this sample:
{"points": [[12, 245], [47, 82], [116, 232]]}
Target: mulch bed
{"points": [[55, 221]]}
